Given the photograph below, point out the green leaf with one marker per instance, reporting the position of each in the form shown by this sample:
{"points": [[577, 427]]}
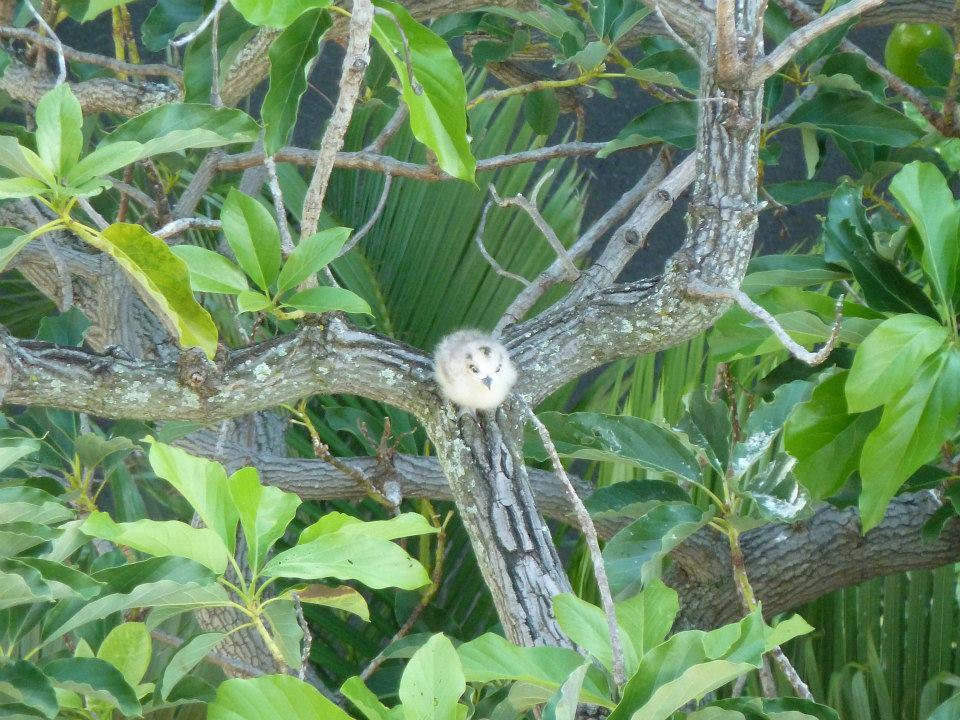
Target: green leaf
{"points": [[432, 682], [586, 625], [128, 648], [204, 485], [857, 118], [763, 426], [268, 13], [210, 271], [161, 594], [403, 525], [633, 498], [265, 512], [541, 109], [769, 272], [437, 115], [647, 617], [20, 187], [104, 160], [674, 123], [249, 301], [14, 448], [707, 424], [253, 236], [689, 665], [26, 504], [164, 277], [848, 239], [350, 556], [310, 256], [825, 438], [23, 683], [776, 493], [338, 598], [356, 691], [281, 617], [948, 710], [22, 161], [179, 126], [634, 555], [271, 696], [162, 538], [93, 449], [187, 658], [491, 657], [291, 57], [888, 360], [54, 572], [922, 191], [328, 299], [564, 703], [59, 129], [94, 678], [595, 436], [915, 423]]}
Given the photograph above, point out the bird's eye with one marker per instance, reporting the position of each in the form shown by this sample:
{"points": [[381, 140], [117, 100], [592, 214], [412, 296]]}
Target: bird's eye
{"points": [[475, 369], [498, 367]]}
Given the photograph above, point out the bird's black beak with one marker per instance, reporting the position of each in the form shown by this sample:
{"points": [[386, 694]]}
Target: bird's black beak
{"points": [[488, 381]]}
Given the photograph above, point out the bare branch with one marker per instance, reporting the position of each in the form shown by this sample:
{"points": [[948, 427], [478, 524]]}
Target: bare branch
{"points": [[286, 242], [91, 212], [182, 225], [593, 544], [355, 62], [201, 180], [699, 288], [677, 37], [180, 42], [58, 46], [530, 208], [372, 220], [790, 672], [118, 66], [799, 39], [389, 130], [478, 239]]}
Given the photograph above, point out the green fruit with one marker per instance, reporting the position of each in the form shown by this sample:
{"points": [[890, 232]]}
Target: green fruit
{"points": [[905, 45]]}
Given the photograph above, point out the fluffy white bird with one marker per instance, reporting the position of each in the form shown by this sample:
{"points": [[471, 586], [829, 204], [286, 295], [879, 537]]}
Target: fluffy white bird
{"points": [[474, 369]]}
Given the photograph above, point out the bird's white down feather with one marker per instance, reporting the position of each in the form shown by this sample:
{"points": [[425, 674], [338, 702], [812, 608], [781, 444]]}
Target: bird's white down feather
{"points": [[474, 369]]}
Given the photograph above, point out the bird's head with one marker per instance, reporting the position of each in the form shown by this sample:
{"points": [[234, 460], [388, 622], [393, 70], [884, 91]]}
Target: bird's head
{"points": [[487, 364]]}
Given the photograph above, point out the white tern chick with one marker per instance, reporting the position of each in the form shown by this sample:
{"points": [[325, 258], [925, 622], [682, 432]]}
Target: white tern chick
{"points": [[474, 370]]}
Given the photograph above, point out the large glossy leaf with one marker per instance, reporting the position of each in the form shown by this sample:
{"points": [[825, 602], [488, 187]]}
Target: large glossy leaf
{"points": [[328, 299], [13, 240], [491, 657], [203, 483], [595, 436], [164, 278], [375, 562], [776, 493], [94, 678], [825, 438], [104, 160], [128, 648], [888, 360], [264, 511], [773, 708], [253, 236], [342, 597], [948, 710], [13, 188], [565, 702], [674, 123], [310, 256], [857, 118], [914, 424], [586, 625], [210, 271], [437, 114], [633, 498], [21, 161], [647, 617], [26, 504], [708, 426], [291, 57], [178, 126], [922, 191], [847, 237], [365, 700], [59, 129], [764, 425], [78, 582], [402, 525], [23, 683], [14, 448], [186, 658], [271, 696], [432, 682], [275, 14], [162, 538], [634, 555]]}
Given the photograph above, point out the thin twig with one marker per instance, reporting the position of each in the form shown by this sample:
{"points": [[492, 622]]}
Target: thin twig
{"points": [[790, 672], [307, 636], [679, 38], [389, 130], [215, 64], [497, 267], [698, 288], [372, 220], [202, 177], [182, 225], [436, 577], [593, 545], [407, 57], [530, 208], [134, 193], [124, 204], [58, 46], [159, 191], [286, 242], [781, 117], [202, 26], [118, 66], [802, 37], [91, 212], [355, 61]]}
